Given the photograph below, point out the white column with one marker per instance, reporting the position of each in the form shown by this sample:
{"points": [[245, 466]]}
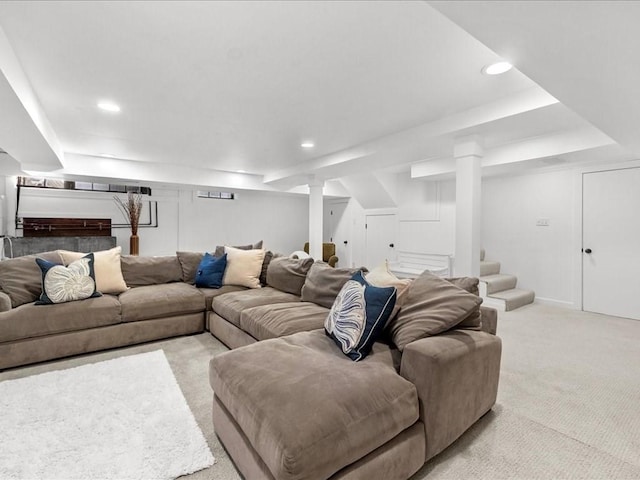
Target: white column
{"points": [[9, 207], [315, 218], [468, 153]]}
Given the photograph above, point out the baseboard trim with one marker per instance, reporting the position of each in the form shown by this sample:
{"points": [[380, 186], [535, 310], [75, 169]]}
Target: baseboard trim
{"points": [[555, 303]]}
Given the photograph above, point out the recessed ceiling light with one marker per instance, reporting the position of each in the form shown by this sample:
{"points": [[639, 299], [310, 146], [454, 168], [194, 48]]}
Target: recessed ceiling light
{"points": [[109, 107], [497, 68], [307, 145]]}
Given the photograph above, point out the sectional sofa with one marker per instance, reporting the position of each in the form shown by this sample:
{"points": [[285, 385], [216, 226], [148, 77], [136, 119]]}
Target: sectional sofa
{"points": [[288, 404], [158, 304]]}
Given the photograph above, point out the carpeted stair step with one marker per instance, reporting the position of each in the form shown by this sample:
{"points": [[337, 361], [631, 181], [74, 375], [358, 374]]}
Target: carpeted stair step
{"points": [[489, 268], [499, 282], [514, 298]]}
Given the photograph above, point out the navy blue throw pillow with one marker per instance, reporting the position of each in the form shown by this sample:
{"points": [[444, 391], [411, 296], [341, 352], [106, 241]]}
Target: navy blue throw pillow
{"points": [[210, 271], [358, 316], [61, 284]]}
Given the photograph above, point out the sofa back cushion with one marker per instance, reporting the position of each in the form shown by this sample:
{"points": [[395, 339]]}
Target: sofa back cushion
{"points": [[268, 256], [141, 271], [189, 262], [288, 274], [470, 284], [107, 268], [323, 283], [220, 249], [432, 305], [21, 278]]}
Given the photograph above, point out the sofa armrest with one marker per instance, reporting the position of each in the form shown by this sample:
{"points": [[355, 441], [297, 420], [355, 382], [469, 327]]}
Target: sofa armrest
{"points": [[489, 320], [5, 302], [456, 375]]}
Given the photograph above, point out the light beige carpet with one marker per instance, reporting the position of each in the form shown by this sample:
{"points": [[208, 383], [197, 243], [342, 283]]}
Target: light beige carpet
{"points": [[568, 405]]}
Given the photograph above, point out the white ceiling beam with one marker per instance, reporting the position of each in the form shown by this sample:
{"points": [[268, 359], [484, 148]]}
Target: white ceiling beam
{"points": [[127, 171], [529, 149], [383, 152], [25, 131]]}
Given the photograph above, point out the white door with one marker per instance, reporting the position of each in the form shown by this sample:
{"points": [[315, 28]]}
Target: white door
{"points": [[380, 239], [340, 232], [611, 242]]}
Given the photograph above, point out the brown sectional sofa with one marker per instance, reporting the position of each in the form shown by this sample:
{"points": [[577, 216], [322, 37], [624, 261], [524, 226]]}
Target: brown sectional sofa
{"points": [[290, 405], [159, 305]]}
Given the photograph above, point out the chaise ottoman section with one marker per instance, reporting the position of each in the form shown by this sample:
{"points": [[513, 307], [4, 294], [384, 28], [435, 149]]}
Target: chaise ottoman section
{"points": [[318, 411], [231, 305], [160, 301], [281, 319]]}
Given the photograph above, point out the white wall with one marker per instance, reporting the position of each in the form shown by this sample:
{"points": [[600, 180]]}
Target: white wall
{"points": [[186, 222], [542, 257], [435, 231], [280, 220], [426, 219]]}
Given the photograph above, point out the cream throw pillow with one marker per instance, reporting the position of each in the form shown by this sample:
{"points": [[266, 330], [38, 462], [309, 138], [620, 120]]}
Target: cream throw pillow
{"points": [[106, 266], [381, 276], [243, 267]]}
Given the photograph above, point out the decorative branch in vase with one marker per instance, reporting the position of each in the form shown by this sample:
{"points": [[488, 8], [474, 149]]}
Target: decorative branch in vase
{"points": [[131, 209]]}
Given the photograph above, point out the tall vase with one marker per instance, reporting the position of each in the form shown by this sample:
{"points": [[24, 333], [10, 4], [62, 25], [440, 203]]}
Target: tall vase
{"points": [[134, 245]]}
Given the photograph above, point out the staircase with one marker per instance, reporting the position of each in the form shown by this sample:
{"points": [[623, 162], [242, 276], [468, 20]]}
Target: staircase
{"points": [[499, 289]]}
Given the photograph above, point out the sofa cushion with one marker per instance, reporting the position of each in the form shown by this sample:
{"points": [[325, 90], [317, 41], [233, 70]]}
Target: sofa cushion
{"points": [[62, 284], [318, 411], [220, 249], [107, 268], [243, 267], [189, 262], [470, 284], [21, 278], [359, 315], [159, 301], [432, 305], [211, 293], [141, 271], [30, 320], [210, 271], [230, 306], [5, 302], [324, 282], [288, 274], [268, 256], [280, 319]]}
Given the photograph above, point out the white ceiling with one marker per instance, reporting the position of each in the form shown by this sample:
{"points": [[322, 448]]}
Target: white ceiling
{"points": [[208, 88]]}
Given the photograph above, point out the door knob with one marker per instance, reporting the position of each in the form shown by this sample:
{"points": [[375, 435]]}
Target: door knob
{"points": [[587, 250], [391, 245]]}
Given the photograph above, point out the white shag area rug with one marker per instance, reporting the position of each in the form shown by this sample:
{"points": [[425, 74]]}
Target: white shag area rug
{"points": [[119, 419]]}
